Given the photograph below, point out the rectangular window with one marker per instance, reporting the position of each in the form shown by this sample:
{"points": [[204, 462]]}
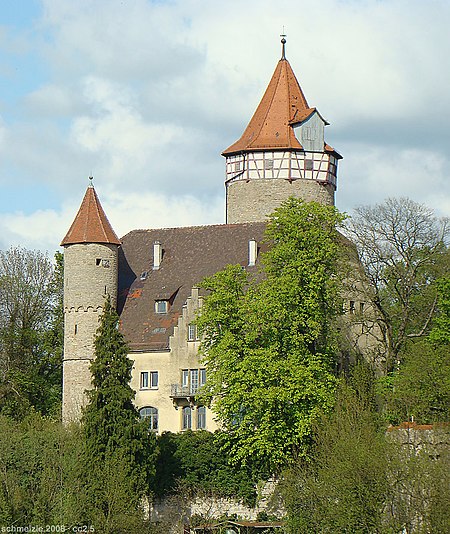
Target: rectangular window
{"points": [[194, 380], [202, 377], [192, 332], [361, 308], [187, 418], [309, 164], [149, 380], [268, 164], [185, 378], [154, 379], [201, 417], [352, 306], [144, 380], [161, 306]]}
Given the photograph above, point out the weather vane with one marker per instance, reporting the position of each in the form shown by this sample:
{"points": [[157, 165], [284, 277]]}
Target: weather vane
{"points": [[283, 42], [91, 178]]}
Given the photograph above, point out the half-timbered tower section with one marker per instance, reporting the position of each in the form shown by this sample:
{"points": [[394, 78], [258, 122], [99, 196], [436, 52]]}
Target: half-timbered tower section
{"points": [[281, 153]]}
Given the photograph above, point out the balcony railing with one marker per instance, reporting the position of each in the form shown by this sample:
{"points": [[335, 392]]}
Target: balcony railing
{"points": [[180, 391]]}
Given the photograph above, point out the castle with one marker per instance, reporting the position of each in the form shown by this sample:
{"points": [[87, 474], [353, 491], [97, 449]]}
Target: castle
{"points": [[153, 275]]}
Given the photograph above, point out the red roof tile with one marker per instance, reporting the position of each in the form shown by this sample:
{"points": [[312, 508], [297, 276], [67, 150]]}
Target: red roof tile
{"points": [[282, 105], [91, 224]]}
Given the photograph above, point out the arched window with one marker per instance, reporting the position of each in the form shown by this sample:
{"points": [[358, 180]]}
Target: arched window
{"points": [[151, 414], [201, 417], [187, 418]]}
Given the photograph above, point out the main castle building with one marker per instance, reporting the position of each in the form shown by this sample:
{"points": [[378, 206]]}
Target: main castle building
{"points": [[152, 276]]}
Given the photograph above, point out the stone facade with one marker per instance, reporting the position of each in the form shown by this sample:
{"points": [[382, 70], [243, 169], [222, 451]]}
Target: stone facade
{"points": [[90, 275], [253, 200]]}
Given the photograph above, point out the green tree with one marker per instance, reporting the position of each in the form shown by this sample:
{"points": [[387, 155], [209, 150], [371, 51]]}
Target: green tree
{"points": [[359, 479], [343, 485], [402, 248], [268, 343], [440, 333], [420, 388], [193, 463], [119, 449], [30, 332]]}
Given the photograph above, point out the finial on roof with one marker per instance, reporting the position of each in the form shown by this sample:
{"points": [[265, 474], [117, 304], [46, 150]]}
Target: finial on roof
{"points": [[91, 178], [283, 45]]}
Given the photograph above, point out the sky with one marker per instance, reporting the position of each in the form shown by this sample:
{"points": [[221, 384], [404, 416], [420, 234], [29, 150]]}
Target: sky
{"points": [[145, 95]]}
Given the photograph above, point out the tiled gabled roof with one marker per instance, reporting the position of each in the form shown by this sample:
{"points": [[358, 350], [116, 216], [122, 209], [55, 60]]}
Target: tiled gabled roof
{"points": [[189, 255], [282, 105], [91, 224]]}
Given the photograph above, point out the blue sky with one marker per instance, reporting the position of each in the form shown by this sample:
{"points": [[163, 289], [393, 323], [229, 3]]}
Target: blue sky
{"points": [[145, 95]]}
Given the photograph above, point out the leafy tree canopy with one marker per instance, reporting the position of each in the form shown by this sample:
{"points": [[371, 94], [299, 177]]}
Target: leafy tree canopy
{"points": [[403, 248], [420, 387], [268, 342], [31, 332]]}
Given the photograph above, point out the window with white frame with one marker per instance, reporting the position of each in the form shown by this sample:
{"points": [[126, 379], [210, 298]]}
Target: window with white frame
{"points": [[161, 306], [187, 418], [149, 380], [192, 380], [201, 417], [202, 377], [192, 332], [151, 414]]}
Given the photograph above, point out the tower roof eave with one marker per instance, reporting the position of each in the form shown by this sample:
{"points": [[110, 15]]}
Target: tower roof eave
{"points": [[91, 224]]}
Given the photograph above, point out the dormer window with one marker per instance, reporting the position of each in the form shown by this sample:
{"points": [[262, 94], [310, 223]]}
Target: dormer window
{"points": [[161, 306]]}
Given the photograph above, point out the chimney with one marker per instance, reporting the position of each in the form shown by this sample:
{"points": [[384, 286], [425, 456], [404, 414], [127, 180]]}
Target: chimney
{"points": [[157, 255], [252, 252]]}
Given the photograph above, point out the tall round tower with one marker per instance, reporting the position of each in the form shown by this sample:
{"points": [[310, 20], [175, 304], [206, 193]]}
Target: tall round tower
{"points": [[281, 153], [90, 275]]}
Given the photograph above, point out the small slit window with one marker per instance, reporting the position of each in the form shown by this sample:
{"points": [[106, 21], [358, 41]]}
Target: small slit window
{"points": [[352, 307], [98, 261]]}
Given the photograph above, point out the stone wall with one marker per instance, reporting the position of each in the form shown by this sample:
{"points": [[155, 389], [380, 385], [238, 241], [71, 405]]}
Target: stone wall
{"points": [[254, 200], [176, 510], [90, 274]]}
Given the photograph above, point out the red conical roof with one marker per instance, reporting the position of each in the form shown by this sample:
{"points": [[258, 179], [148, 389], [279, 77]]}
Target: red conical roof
{"points": [[91, 224], [282, 105]]}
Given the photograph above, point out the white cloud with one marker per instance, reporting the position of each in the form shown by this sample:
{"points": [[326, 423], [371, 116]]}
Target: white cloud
{"points": [[145, 95]]}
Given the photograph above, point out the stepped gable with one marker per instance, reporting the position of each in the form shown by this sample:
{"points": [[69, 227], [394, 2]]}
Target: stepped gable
{"points": [[189, 255], [91, 224]]}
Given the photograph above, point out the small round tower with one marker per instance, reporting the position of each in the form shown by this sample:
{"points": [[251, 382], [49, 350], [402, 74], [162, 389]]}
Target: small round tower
{"points": [[90, 275], [281, 153]]}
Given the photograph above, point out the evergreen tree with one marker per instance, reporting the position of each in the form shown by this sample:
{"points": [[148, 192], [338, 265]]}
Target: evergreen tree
{"points": [[119, 448]]}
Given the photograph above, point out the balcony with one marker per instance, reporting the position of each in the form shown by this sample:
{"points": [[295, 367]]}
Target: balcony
{"points": [[178, 391]]}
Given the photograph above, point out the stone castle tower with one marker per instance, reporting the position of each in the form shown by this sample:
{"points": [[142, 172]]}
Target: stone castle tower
{"points": [[281, 153], [90, 275]]}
